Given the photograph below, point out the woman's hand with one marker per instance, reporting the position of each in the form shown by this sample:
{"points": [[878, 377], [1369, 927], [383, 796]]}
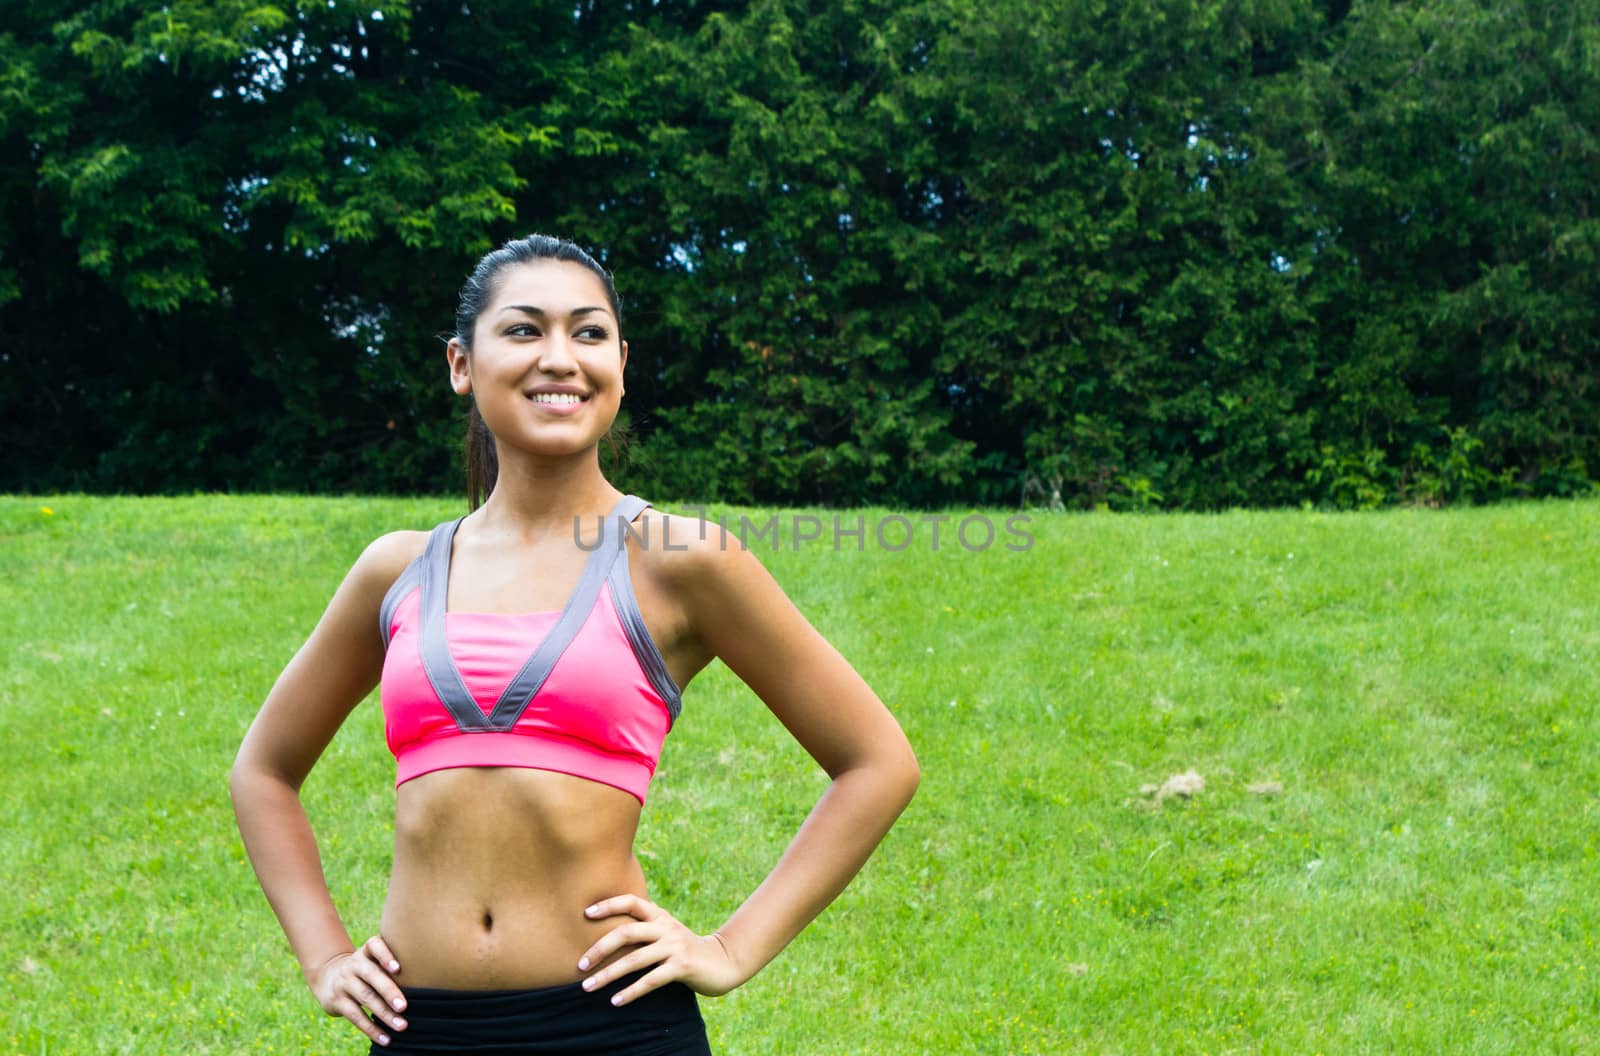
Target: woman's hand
{"points": [[346, 984], [700, 962]]}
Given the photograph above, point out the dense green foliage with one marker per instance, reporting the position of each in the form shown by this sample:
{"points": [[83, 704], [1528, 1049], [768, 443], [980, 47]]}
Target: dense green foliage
{"points": [[1188, 253]]}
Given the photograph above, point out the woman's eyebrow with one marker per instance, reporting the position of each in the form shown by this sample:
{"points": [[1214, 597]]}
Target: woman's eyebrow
{"points": [[532, 310]]}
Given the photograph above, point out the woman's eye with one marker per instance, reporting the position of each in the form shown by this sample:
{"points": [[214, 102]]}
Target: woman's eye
{"points": [[593, 333], [522, 330]]}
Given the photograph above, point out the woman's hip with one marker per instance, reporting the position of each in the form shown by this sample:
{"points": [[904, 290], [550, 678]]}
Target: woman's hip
{"points": [[561, 1020]]}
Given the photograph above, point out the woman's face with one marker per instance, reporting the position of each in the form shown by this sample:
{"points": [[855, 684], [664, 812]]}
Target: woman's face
{"points": [[547, 360]]}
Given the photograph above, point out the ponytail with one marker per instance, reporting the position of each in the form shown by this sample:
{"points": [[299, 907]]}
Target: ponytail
{"points": [[483, 465]]}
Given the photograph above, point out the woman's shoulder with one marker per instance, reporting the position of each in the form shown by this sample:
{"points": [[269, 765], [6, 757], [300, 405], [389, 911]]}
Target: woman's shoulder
{"points": [[665, 533], [386, 557], [686, 553]]}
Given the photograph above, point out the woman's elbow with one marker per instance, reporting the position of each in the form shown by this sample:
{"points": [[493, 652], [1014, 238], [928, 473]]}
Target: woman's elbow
{"points": [[907, 775], [249, 780], [242, 778]]}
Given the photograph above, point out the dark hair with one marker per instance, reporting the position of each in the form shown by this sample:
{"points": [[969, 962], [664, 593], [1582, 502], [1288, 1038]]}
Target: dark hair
{"points": [[483, 465]]}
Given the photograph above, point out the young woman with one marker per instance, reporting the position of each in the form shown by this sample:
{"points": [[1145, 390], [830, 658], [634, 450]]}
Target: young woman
{"points": [[530, 656]]}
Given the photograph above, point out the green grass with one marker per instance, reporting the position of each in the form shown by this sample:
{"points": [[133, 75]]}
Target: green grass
{"points": [[1422, 684]]}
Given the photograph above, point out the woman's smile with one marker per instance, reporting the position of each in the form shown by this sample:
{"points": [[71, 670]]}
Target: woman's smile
{"points": [[558, 400]]}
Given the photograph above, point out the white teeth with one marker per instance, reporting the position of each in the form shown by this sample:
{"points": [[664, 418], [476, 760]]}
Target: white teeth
{"points": [[556, 397]]}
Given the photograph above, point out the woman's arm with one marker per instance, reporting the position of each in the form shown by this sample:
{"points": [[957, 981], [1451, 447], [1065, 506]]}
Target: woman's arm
{"points": [[333, 672], [741, 614]]}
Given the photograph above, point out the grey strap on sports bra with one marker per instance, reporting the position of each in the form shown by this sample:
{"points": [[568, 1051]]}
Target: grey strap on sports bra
{"points": [[398, 590], [432, 575], [644, 647]]}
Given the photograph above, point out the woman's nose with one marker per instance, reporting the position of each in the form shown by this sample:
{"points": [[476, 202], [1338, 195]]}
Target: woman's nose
{"points": [[555, 353]]}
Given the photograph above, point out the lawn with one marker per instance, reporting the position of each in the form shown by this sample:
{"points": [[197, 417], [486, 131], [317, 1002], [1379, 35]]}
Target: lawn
{"points": [[1393, 715]]}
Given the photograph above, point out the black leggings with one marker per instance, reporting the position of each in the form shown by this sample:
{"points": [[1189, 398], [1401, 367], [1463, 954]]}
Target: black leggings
{"points": [[550, 1021]]}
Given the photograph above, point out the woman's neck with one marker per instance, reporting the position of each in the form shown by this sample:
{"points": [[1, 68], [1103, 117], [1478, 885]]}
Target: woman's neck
{"points": [[534, 498]]}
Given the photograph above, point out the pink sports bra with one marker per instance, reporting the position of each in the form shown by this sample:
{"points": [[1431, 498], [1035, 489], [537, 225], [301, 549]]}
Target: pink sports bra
{"points": [[583, 691]]}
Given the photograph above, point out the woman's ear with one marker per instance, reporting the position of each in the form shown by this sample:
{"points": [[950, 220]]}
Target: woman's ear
{"points": [[460, 380], [624, 367]]}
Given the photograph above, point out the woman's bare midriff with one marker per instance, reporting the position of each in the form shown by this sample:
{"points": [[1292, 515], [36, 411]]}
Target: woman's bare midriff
{"points": [[493, 867]]}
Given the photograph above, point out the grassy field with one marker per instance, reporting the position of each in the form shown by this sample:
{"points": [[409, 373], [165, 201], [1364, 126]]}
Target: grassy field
{"points": [[1419, 685]]}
